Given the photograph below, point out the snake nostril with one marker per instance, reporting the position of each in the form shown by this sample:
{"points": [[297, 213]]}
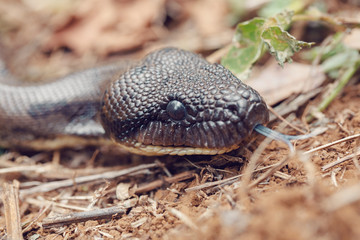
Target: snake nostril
{"points": [[176, 110], [233, 107]]}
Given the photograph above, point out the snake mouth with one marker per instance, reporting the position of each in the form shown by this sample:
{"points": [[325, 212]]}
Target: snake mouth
{"points": [[207, 138], [201, 138], [152, 150]]}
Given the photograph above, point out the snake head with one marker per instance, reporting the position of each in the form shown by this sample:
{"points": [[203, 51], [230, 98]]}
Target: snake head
{"points": [[175, 102]]}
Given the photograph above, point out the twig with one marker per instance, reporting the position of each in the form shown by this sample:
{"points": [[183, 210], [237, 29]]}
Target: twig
{"points": [[93, 157], [25, 168], [269, 172], [56, 158], [29, 225], [272, 110], [158, 183], [343, 159], [333, 143], [282, 175], [166, 171], [287, 107], [333, 177], [250, 169], [107, 212], [216, 183], [70, 182], [10, 199], [139, 222], [104, 213], [224, 181], [43, 202]]}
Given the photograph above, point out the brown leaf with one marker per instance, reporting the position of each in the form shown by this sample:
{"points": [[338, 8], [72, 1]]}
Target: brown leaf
{"points": [[352, 40], [209, 16], [275, 83], [109, 26]]}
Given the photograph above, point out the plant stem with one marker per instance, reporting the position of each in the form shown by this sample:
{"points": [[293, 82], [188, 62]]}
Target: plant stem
{"points": [[344, 79]]}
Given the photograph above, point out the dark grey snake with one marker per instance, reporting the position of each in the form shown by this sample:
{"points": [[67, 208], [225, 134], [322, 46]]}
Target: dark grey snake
{"points": [[171, 102]]}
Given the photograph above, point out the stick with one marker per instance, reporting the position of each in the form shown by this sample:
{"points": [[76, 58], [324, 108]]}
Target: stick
{"points": [[158, 183], [10, 199], [333, 143], [227, 180], [269, 172], [104, 213], [70, 182], [332, 164]]}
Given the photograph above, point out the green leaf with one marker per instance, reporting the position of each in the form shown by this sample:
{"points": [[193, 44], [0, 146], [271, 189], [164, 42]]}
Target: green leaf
{"points": [[282, 20], [248, 36], [253, 37], [281, 44]]}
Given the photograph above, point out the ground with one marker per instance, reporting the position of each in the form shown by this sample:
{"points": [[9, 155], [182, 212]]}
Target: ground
{"points": [[260, 191]]}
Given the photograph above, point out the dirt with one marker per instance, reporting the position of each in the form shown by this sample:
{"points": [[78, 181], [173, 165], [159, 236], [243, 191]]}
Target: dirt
{"points": [[178, 197]]}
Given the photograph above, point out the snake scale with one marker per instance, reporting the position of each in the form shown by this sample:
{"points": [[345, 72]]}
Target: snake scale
{"points": [[170, 102]]}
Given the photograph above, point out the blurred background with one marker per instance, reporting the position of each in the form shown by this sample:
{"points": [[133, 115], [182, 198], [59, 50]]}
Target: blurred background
{"points": [[41, 38]]}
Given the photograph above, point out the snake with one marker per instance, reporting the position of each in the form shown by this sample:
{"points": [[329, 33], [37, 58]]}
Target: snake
{"points": [[171, 102]]}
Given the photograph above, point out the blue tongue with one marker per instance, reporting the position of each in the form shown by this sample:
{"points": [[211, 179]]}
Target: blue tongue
{"points": [[267, 132]]}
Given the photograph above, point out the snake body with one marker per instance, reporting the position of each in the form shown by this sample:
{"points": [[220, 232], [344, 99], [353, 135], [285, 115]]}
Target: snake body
{"points": [[171, 102]]}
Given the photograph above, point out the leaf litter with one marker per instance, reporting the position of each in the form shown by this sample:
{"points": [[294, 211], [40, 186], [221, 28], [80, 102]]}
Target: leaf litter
{"points": [[247, 194]]}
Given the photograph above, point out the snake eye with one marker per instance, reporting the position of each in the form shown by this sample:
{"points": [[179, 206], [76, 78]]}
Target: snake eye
{"points": [[176, 110]]}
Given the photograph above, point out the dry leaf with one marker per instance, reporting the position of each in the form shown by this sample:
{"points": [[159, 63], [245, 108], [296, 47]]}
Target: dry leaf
{"points": [[209, 16], [353, 39], [275, 83], [123, 191], [109, 26]]}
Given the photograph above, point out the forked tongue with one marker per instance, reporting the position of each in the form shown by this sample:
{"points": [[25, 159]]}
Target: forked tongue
{"points": [[267, 132]]}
